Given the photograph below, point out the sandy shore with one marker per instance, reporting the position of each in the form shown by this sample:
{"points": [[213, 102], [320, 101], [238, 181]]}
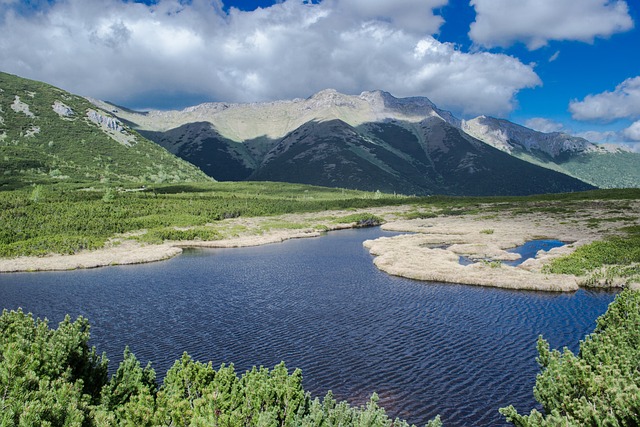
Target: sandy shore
{"points": [[430, 252]]}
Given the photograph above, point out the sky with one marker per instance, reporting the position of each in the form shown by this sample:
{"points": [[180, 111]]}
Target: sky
{"points": [[552, 65]]}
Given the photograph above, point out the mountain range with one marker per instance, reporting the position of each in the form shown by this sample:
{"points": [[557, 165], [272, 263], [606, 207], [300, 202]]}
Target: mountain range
{"points": [[372, 141], [375, 141]]}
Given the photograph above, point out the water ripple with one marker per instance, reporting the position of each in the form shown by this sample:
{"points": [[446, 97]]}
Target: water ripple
{"points": [[321, 305]]}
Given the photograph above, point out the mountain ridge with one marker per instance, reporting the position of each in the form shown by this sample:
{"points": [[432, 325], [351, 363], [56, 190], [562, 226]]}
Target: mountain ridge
{"points": [[268, 122]]}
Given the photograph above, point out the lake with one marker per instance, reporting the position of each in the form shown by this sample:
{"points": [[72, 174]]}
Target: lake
{"points": [[321, 305]]}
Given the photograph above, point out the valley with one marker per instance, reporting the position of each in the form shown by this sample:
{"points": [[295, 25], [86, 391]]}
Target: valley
{"points": [[85, 183]]}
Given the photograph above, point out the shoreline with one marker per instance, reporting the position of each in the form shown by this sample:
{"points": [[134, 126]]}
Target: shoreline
{"points": [[123, 250], [429, 253], [432, 252]]}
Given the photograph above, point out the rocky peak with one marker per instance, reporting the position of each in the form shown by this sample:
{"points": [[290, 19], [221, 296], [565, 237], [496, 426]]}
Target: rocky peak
{"points": [[507, 136]]}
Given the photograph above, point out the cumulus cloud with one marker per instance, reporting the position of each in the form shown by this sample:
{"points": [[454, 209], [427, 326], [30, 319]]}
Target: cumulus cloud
{"points": [[628, 138], [623, 102], [633, 132], [127, 52], [544, 125], [410, 15], [536, 22]]}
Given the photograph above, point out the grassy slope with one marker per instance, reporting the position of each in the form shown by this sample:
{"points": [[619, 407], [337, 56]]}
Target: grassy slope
{"points": [[43, 146], [604, 170]]}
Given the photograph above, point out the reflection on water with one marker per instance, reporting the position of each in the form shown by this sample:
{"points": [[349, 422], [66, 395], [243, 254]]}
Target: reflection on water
{"points": [[321, 305], [531, 248]]}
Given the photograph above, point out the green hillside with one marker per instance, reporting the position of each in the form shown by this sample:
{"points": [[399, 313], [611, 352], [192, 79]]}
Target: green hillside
{"points": [[49, 135]]}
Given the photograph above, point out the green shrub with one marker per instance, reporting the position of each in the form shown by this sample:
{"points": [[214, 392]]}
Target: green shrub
{"points": [[52, 377], [587, 258], [600, 385], [361, 220]]}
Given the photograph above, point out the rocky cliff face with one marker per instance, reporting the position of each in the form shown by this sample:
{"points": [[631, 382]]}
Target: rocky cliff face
{"points": [[241, 122], [510, 137]]}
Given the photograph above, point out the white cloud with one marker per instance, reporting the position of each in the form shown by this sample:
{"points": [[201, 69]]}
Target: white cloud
{"points": [[623, 102], [544, 125], [633, 132], [126, 52], [628, 138], [554, 56], [536, 22], [410, 15]]}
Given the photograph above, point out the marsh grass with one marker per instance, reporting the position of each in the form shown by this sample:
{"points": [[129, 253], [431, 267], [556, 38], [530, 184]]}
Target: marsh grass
{"points": [[67, 218]]}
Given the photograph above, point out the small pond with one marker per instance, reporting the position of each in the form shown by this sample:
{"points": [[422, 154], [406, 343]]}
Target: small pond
{"points": [[531, 248], [526, 251]]}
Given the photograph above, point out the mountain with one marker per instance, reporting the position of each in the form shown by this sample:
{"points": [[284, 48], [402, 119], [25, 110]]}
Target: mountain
{"points": [[200, 144], [373, 141], [47, 134], [428, 157], [602, 166]]}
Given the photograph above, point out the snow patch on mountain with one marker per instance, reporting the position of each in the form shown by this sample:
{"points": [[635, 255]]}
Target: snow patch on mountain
{"points": [[32, 131]]}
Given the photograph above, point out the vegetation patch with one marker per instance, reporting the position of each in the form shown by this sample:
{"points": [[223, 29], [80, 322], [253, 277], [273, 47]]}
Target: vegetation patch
{"points": [[598, 386], [67, 218], [419, 215], [606, 259], [45, 245], [52, 377], [161, 235], [361, 220]]}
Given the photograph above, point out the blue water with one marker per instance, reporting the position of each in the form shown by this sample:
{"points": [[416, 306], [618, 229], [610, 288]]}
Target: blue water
{"points": [[531, 248], [528, 250], [320, 305]]}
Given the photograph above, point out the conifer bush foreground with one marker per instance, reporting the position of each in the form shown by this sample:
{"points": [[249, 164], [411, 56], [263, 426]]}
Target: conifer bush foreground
{"points": [[600, 386], [51, 377]]}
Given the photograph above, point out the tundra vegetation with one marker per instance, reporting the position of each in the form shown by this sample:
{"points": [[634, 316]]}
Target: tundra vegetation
{"points": [[614, 258], [52, 377], [66, 219]]}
